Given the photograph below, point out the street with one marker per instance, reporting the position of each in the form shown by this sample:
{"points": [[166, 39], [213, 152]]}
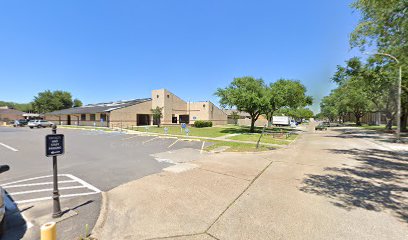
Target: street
{"points": [[94, 161]]}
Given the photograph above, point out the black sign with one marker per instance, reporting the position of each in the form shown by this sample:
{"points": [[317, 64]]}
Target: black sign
{"points": [[54, 145]]}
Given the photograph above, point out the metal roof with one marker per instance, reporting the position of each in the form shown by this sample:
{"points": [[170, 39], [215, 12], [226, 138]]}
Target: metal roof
{"points": [[99, 107], [10, 111]]}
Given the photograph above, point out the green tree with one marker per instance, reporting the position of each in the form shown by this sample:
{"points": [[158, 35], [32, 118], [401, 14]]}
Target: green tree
{"points": [[376, 80], [328, 108], [25, 107], [286, 94], [384, 26], [247, 94], [77, 103], [296, 113], [157, 115], [48, 101]]}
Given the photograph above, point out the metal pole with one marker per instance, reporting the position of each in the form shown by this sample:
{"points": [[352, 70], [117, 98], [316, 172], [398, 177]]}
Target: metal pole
{"points": [[263, 130], [399, 105], [55, 196]]}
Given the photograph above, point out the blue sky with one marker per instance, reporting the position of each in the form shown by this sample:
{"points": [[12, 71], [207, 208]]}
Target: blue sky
{"points": [[112, 50]]}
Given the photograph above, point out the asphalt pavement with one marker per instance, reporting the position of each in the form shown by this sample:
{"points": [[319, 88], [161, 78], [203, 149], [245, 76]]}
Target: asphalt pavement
{"points": [[94, 161]]}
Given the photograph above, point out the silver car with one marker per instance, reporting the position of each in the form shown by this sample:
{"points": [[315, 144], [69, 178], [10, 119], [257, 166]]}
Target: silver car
{"points": [[39, 124], [3, 168]]}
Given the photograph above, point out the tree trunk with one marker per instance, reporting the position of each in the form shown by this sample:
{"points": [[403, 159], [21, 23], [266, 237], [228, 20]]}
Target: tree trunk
{"points": [[389, 119], [358, 118], [358, 121], [252, 129], [404, 119]]}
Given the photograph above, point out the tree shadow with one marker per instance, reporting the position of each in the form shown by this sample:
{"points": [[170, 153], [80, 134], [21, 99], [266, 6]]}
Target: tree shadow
{"points": [[377, 183]]}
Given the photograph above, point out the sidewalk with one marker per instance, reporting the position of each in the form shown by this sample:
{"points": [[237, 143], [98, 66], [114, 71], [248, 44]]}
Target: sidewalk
{"points": [[321, 187]]}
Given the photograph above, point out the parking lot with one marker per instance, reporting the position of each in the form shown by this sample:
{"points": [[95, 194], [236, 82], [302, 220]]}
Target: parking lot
{"points": [[94, 161]]}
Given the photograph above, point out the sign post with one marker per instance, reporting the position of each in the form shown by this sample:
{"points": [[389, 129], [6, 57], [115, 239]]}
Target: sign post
{"points": [[54, 146]]}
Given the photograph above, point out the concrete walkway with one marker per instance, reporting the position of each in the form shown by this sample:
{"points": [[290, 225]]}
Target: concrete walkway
{"points": [[324, 186]]}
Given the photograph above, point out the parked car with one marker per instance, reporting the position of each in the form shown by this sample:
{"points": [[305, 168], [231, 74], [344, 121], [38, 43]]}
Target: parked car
{"points": [[321, 127], [39, 124], [45, 123], [33, 123], [20, 123], [3, 168]]}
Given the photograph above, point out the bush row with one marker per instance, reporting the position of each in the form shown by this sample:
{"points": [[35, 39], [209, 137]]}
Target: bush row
{"points": [[201, 123]]}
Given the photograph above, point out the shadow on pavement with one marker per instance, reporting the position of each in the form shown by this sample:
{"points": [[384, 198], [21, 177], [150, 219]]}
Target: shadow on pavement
{"points": [[377, 183]]}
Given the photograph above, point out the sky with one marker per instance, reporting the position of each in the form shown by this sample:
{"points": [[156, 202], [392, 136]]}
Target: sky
{"points": [[117, 50]]}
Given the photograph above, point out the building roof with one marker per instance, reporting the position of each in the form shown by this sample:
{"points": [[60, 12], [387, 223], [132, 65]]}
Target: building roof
{"points": [[99, 107], [10, 111]]}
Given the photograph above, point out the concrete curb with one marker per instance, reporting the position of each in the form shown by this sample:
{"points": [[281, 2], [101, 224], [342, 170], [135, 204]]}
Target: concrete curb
{"points": [[100, 222]]}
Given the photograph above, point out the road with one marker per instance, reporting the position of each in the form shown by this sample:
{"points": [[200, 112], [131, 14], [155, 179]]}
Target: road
{"points": [[94, 161]]}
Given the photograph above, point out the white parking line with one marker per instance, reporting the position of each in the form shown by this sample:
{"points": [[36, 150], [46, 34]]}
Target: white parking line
{"points": [[7, 146], [37, 184], [74, 180], [83, 183], [25, 180], [173, 143], [150, 140], [45, 190]]}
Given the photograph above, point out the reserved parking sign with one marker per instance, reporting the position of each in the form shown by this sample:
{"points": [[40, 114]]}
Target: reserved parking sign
{"points": [[54, 145]]}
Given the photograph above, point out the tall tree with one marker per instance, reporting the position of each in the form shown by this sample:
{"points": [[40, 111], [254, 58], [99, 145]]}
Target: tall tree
{"points": [[286, 94], [376, 80], [384, 25], [48, 101], [247, 94]]}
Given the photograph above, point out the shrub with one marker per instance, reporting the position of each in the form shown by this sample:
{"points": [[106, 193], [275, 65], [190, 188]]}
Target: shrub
{"points": [[201, 124]]}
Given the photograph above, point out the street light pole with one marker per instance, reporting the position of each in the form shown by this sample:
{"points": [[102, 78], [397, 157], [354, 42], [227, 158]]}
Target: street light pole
{"points": [[398, 133]]}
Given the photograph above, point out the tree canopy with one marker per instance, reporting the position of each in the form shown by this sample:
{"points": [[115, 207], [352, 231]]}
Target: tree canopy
{"points": [[286, 93], [247, 94], [48, 101], [384, 27], [253, 96], [25, 107]]}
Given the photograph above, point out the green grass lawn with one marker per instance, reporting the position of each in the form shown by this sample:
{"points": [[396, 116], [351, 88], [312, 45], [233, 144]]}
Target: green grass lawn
{"points": [[217, 131], [265, 138], [239, 147], [198, 132]]}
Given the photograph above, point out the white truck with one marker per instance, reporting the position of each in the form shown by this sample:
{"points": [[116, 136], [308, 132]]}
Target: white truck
{"points": [[283, 121]]}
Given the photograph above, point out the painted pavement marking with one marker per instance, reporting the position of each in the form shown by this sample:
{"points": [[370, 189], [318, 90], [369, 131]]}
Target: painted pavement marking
{"points": [[8, 147]]}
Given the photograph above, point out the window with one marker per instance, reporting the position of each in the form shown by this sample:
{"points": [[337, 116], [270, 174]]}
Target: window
{"points": [[103, 117], [92, 117], [83, 117], [157, 96], [168, 96]]}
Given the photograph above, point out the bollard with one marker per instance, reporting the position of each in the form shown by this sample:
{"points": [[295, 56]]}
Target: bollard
{"points": [[49, 231]]}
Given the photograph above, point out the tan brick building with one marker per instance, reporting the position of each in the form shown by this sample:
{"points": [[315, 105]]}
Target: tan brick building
{"points": [[7, 114], [138, 112]]}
